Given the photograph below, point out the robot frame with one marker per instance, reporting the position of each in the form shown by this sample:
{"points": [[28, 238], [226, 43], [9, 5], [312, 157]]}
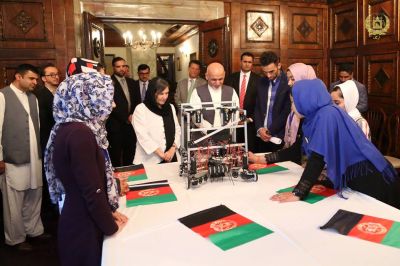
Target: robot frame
{"points": [[212, 153]]}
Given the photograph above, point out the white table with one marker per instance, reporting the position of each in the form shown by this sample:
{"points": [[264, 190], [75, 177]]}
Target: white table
{"points": [[154, 236]]}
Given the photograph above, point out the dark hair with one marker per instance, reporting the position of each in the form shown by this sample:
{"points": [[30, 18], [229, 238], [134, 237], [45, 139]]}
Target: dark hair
{"points": [[116, 59], [346, 67], [194, 61], [23, 68], [268, 58], [143, 67], [160, 84], [100, 66], [43, 68], [246, 54], [337, 88]]}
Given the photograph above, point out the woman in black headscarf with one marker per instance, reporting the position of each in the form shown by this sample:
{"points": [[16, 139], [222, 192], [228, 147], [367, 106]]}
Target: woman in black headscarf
{"points": [[156, 126]]}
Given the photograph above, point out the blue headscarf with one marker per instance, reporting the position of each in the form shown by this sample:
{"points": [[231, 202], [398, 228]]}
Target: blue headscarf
{"points": [[332, 133], [85, 98]]}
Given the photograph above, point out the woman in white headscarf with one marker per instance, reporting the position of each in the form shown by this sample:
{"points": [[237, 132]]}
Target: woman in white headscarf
{"points": [[345, 95]]}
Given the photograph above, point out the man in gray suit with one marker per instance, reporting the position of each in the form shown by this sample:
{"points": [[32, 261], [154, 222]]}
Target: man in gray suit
{"points": [[20, 159], [346, 73], [186, 86]]}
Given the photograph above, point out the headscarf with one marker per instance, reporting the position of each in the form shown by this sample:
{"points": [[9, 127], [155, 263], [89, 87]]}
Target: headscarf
{"points": [[299, 71], [86, 98], [350, 96], [81, 65], [165, 111], [302, 71], [330, 132]]}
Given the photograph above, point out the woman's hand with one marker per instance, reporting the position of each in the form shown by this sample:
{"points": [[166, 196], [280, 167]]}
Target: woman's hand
{"points": [[285, 197], [256, 159], [119, 217], [170, 154]]}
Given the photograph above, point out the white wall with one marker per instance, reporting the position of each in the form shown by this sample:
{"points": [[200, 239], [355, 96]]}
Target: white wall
{"points": [[190, 46]]}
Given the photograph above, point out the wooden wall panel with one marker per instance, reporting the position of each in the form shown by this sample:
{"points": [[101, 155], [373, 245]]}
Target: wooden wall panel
{"points": [[372, 8], [35, 32], [343, 28], [259, 26], [305, 28], [381, 72]]}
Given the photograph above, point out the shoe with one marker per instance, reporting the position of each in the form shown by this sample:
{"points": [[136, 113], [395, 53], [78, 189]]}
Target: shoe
{"points": [[42, 237], [24, 246]]}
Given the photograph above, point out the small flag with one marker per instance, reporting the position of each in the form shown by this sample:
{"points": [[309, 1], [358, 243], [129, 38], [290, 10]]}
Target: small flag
{"points": [[262, 168], [149, 193], [317, 193], [374, 229], [224, 227], [131, 172]]}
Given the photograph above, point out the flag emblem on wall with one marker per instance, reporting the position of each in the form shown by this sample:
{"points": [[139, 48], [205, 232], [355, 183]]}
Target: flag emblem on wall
{"points": [[262, 168], [317, 193], [224, 227], [149, 193], [370, 228], [131, 172]]}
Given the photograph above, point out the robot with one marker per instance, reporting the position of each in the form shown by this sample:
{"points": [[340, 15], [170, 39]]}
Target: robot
{"points": [[212, 154]]}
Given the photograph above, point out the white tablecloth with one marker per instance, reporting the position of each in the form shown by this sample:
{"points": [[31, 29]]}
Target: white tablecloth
{"points": [[154, 236]]}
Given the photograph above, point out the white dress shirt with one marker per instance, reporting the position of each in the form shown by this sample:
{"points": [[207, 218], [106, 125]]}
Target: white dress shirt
{"points": [[29, 175], [149, 129]]}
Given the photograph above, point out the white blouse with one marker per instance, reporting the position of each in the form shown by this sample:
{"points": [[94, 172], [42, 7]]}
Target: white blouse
{"points": [[149, 129]]}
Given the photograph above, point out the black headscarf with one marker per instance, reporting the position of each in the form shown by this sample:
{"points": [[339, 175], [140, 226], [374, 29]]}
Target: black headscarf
{"points": [[157, 85]]}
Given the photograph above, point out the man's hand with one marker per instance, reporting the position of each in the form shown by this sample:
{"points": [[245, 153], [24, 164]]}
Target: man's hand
{"points": [[2, 167], [264, 134]]}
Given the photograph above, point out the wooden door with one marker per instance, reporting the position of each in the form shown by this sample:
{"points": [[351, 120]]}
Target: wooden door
{"points": [[93, 38], [214, 37]]}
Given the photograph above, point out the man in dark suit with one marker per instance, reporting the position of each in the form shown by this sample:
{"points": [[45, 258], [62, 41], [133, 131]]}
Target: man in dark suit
{"points": [[346, 73], [121, 135], [272, 104], [45, 95], [244, 82], [140, 85]]}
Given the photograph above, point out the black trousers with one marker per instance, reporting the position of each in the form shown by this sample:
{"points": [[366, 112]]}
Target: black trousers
{"points": [[122, 145]]}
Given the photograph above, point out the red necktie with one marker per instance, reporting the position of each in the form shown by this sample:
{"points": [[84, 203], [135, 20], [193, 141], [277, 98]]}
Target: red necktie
{"points": [[242, 92]]}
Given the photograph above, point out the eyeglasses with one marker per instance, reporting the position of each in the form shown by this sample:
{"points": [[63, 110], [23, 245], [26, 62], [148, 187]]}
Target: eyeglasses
{"points": [[52, 75], [144, 73]]}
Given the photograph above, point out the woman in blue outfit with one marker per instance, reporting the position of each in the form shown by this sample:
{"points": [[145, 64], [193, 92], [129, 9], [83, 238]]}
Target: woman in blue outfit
{"points": [[77, 165], [331, 137]]}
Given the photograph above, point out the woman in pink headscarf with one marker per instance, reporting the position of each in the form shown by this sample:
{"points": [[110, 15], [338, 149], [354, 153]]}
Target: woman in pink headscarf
{"points": [[292, 139]]}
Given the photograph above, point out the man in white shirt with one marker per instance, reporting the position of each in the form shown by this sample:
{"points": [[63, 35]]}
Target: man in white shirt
{"points": [[214, 91], [143, 82], [185, 87], [20, 159]]}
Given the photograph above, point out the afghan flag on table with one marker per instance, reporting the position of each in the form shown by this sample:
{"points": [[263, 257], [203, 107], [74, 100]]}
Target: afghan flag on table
{"points": [[131, 172], [149, 193], [262, 168], [224, 227], [374, 229], [317, 193]]}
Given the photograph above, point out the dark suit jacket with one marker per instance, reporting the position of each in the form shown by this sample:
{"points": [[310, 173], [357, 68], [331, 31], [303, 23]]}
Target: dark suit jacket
{"points": [[45, 101], [249, 104], [120, 113], [280, 110], [362, 104]]}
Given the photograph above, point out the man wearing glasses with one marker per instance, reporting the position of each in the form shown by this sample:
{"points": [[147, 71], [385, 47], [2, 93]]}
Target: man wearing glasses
{"points": [[45, 94], [272, 104], [143, 82]]}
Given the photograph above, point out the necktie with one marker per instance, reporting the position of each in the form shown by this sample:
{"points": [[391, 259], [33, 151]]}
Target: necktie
{"points": [[144, 88], [242, 92], [191, 88]]}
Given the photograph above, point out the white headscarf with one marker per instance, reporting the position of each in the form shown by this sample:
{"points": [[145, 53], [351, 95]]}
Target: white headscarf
{"points": [[350, 96]]}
